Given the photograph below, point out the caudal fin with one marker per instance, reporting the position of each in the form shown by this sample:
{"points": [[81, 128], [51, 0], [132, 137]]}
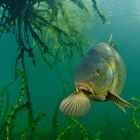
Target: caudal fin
{"points": [[77, 104], [121, 103]]}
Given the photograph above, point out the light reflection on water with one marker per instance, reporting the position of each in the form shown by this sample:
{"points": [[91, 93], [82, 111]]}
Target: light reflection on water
{"points": [[128, 9]]}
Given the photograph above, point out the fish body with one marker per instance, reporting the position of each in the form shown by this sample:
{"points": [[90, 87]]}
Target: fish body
{"points": [[100, 76]]}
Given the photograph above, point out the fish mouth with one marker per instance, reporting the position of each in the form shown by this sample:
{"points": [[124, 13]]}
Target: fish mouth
{"points": [[84, 87]]}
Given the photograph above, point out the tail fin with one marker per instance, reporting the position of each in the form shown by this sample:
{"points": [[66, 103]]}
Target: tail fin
{"points": [[77, 104], [119, 101]]}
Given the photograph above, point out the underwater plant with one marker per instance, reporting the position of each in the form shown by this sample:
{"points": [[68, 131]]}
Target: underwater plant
{"points": [[55, 122], [55, 27], [22, 103], [135, 120], [4, 101], [71, 124], [41, 117]]}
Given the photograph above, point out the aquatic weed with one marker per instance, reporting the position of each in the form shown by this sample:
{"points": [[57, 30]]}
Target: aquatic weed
{"points": [[135, 120], [54, 26], [16, 108], [98, 135], [65, 131], [41, 117], [72, 124], [27, 20], [55, 122]]}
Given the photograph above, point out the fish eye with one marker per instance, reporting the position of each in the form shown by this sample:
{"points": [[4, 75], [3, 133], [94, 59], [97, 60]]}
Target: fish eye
{"points": [[98, 71]]}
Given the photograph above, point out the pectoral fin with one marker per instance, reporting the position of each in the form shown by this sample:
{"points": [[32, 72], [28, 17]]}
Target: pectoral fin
{"points": [[77, 104], [119, 101]]}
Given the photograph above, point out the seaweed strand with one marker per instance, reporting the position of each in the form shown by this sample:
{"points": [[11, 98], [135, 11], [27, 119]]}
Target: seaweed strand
{"points": [[70, 125], [135, 121], [32, 126], [16, 107], [103, 18], [83, 131], [65, 131]]}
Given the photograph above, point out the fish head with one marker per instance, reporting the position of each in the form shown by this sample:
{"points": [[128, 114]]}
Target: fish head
{"points": [[95, 77]]}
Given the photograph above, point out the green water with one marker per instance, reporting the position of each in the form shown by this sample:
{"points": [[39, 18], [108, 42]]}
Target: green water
{"points": [[49, 86]]}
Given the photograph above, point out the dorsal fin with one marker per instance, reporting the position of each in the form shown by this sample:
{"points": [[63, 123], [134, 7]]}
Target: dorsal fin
{"points": [[110, 39]]}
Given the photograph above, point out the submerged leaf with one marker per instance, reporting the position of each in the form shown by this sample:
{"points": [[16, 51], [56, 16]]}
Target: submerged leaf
{"points": [[33, 124]]}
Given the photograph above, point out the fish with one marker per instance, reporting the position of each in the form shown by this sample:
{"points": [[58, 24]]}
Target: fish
{"points": [[100, 76]]}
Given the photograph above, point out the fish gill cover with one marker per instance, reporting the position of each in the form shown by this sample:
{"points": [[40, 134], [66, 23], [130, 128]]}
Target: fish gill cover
{"points": [[56, 28]]}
